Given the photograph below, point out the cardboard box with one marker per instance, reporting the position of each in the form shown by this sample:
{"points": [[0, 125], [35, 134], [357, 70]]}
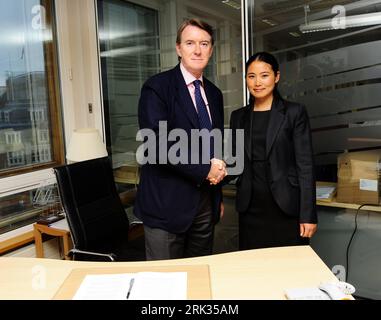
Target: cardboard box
{"points": [[358, 177]]}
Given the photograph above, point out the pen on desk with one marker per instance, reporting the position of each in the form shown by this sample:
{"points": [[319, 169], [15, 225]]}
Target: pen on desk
{"points": [[130, 288]]}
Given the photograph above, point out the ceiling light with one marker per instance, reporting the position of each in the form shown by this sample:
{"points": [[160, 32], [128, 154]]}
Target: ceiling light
{"points": [[232, 4], [360, 20], [270, 22]]}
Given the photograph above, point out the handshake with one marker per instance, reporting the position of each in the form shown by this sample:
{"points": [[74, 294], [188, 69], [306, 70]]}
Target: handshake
{"points": [[217, 171]]}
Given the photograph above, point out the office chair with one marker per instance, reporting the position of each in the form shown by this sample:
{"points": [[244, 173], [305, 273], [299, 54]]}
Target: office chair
{"points": [[98, 223]]}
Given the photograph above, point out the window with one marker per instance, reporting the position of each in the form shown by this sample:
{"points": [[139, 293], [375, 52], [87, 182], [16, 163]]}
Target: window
{"points": [[16, 158], [43, 136], [129, 39], [28, 87], [30, 125], [13, 137], [28, 205]]}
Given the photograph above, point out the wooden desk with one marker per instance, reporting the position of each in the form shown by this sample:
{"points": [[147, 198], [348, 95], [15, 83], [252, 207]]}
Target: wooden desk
{"points": [[252, 274], [197, 276], [60, 232]]}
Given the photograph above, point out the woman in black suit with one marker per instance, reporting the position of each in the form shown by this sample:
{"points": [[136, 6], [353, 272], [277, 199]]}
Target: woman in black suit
{"points": [[276, 190]]}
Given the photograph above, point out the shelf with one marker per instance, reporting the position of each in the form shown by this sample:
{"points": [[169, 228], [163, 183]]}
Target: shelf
{"points": [[353, 206]]}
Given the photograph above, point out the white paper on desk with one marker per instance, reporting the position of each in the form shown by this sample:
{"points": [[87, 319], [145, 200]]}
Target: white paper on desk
{"points": [[160, 286], [104, 287], [147, 286]]}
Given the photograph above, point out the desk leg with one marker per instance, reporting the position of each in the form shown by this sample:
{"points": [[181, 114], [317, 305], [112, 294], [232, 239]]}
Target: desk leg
{"points": [[66, 246], [38, 242]]}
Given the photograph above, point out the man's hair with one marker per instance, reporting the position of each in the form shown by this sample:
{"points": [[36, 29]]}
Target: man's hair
{"points": [[196, 23]]}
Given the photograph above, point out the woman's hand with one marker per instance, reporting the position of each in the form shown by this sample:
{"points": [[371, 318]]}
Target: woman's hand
{"points": [[307, 230]]}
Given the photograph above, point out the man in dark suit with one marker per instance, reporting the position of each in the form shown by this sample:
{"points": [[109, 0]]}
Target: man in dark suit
{"points": [[180, 203]]}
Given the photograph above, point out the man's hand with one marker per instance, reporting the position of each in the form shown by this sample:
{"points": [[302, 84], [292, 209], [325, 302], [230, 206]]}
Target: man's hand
{"points": [[217, 171]]}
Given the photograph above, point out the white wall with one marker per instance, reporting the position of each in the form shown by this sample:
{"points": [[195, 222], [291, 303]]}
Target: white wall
{"points": [[79, 65]]}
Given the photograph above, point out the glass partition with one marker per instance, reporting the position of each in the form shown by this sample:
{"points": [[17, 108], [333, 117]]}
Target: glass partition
{"points": [[330, 59]]}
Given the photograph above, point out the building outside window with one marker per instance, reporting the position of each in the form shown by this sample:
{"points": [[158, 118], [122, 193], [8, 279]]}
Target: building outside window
{"points": [[30, 121]]}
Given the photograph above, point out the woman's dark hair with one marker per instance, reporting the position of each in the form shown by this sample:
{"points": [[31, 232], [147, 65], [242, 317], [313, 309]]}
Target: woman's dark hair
{"points": [[272, 61]]}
